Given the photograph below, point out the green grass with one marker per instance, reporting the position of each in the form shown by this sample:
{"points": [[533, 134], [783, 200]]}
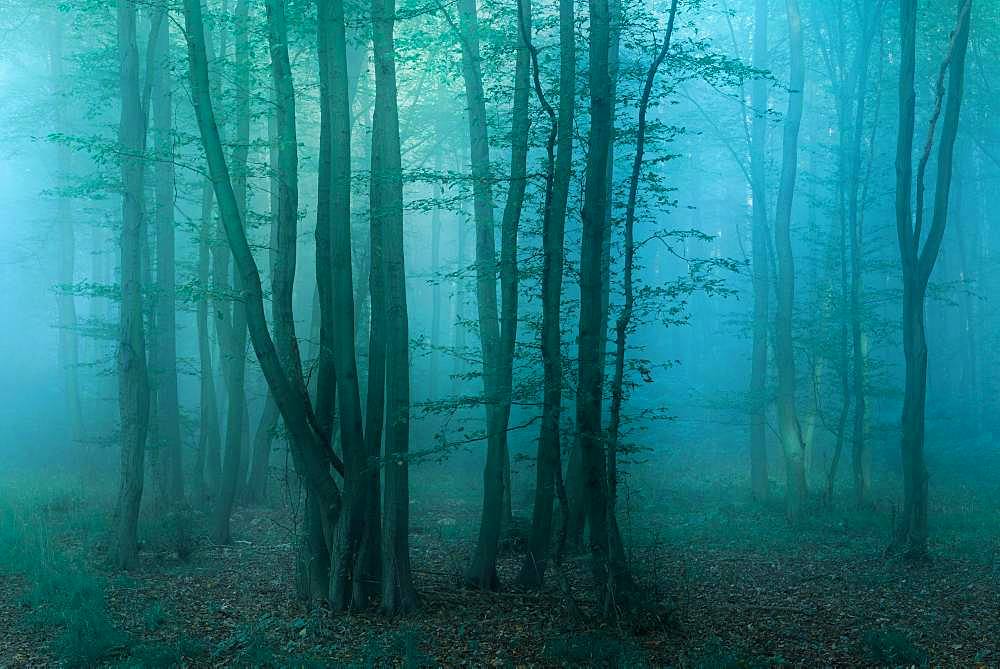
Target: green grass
{"points": [[48, 530]]}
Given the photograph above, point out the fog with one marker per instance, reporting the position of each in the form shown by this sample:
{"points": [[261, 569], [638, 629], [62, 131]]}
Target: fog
{"points": [[520, 332]]}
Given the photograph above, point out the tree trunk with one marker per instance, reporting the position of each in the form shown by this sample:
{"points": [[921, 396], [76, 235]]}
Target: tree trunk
{"points": [[614, 584], [69, 350], [168, 408], [236, 337], [558, 175], [264, 434], [860, 450], [761, 273], [133, 382], [788, 422], [482, 572], [310, 449], [353, 582], [910, 536], [398, 594], [575, 476], [435, 336], [209, 439]]}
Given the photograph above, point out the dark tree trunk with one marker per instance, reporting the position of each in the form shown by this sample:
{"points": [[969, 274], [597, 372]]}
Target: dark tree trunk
{"points": [[910, 537], [234, 339], [558, 175], [133, 382], [612, 580], [398, 594], [168, 408], [354, 579], [482, 572]]}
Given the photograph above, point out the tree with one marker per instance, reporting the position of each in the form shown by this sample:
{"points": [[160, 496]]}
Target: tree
{"points": [[168, 407], [611, 577], [918, 258], [398, 594], [788, 422], [497, 330], [133, 380], [624, 322], [69, 346], [209, 437], [310, 447], [760, 261], [548, 469], [233, 330], [355, 576]]}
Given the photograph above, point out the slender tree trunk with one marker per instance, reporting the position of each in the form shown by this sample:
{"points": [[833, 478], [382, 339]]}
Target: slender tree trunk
{"points": [[481, 572], [435, 335], [353, 582], [624, 322], [860, 451], [168, 408], [613, 583], [558, 173], [209, 438], [310, 448], [69, 350], [575, 475], [264, 434], [210, 308], [910, 537], [235, 349], [761, 273], [133, 382], [788, 422], [398, 594]]}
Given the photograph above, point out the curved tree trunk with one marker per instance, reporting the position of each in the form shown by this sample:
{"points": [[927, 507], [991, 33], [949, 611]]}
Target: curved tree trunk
{"points": [[788, 422], [558, 173], [910, 536], [310, 449]]}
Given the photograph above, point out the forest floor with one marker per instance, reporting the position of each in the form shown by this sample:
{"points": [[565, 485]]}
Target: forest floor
{"points": [[727, 584]]}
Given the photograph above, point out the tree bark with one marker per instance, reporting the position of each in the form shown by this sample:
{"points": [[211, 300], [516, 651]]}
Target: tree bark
{"points": [[910, 536], [612, 580], [398, 593], [168, 408], [133, 381], [558, 173], [235, 340], [481, 572], [311, 452], [788, 422], [354, 579]]}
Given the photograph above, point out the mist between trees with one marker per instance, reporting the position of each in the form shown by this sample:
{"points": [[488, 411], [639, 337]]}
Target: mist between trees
{"points": [[359, 321]]}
